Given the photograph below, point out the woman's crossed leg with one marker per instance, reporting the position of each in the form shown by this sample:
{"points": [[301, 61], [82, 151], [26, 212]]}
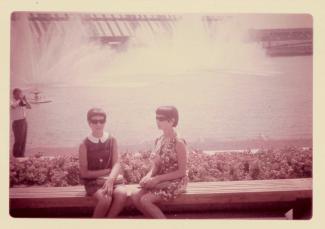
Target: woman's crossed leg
{"points": [[145, 202]]}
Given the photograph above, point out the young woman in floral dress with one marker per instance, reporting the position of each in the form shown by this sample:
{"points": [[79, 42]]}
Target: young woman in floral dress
{"points": [[167, 177]]}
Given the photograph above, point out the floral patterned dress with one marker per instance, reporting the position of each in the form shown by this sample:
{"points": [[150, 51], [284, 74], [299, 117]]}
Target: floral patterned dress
{"points": [[165, 158]]}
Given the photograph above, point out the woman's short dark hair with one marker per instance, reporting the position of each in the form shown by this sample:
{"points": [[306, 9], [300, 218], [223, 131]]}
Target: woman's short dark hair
{"points": [[169, 112], [95, 111], [16, 91]]}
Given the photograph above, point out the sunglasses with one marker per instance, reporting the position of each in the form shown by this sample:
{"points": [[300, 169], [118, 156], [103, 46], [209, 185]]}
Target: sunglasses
{"points": [[161, 119], [96, 121]]}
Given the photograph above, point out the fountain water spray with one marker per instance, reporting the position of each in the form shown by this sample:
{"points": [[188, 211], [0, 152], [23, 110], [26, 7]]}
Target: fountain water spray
{"points": [[65, 56]]}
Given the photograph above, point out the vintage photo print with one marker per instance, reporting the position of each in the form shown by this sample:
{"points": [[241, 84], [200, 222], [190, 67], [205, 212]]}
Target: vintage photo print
{"points": [[138, 115]]}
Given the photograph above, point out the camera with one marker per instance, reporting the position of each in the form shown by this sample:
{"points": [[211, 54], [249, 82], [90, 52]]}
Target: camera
{"points": [[22, 102]]}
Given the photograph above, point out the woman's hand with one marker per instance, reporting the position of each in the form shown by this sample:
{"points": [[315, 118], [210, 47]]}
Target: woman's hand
{"points": [[108, 187], [151, 183], [144, 180]]}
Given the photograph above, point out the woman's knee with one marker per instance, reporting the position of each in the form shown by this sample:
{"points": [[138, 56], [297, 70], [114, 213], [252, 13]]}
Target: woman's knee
{"points": [[135, 196], [146, 199], [103, 199], [120, 193]]}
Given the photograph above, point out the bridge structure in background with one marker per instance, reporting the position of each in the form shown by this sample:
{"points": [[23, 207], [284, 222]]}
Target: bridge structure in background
{"points": [[116, 29], [112, 29], [279, 42]]}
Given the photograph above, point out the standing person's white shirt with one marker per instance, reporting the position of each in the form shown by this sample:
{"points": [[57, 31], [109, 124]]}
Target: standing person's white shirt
{"points": [[17, 112]]}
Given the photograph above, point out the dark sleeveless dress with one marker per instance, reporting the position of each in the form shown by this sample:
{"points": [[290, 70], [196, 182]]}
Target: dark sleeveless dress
{"points": [[99, 157]]}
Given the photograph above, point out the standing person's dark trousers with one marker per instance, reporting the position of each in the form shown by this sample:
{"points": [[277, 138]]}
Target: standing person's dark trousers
{"points": [[19, 128]]}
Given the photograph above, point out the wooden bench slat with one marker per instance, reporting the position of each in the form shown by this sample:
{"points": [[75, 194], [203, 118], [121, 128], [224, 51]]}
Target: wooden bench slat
{"points": [[215, 188], [81, 194], [249, 183], [188, 190]]}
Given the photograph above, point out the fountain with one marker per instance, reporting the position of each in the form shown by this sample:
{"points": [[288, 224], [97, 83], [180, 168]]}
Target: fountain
{"points": [[63, 54], [195, 64]]}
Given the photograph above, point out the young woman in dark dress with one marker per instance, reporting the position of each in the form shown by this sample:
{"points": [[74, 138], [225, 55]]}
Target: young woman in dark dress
{"points": [[100, 167]]}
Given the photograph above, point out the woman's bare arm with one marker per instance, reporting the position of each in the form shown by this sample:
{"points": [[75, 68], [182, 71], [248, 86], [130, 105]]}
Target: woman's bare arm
{"points": [[116, 166]]}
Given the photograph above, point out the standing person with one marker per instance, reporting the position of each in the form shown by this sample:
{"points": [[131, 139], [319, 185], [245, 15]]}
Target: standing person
{"points": [[100, 167], [167, 177], [19, 124]]}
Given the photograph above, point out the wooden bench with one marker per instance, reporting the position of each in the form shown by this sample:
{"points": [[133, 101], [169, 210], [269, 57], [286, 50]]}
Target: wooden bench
{"points": [[281, 195]]}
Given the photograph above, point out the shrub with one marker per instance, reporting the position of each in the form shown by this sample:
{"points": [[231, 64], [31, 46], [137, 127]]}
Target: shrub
{"points": [[266, 164]]}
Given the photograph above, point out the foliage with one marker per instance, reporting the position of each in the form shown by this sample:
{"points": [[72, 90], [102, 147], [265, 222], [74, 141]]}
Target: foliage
{"points": [[266, 164], [45, 171]]}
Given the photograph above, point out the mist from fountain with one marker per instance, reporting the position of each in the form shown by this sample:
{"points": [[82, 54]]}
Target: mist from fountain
{"points": [[64, 55]]}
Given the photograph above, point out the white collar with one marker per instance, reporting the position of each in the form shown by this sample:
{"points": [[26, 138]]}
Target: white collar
{"points": [[96, 140]]}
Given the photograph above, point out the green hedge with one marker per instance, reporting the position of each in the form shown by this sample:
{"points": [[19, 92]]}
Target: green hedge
{"points": [[265, 164]]}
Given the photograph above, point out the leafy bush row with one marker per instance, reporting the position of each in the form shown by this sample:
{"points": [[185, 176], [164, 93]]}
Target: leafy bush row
{"points": [[46, 171], [265, 164]]}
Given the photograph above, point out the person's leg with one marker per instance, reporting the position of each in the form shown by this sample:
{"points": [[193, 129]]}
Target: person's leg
{"points": [[135, 197], [15, 145], [103, 204], [147, 201], [23, 137], [119, 200], [16, 127]]}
